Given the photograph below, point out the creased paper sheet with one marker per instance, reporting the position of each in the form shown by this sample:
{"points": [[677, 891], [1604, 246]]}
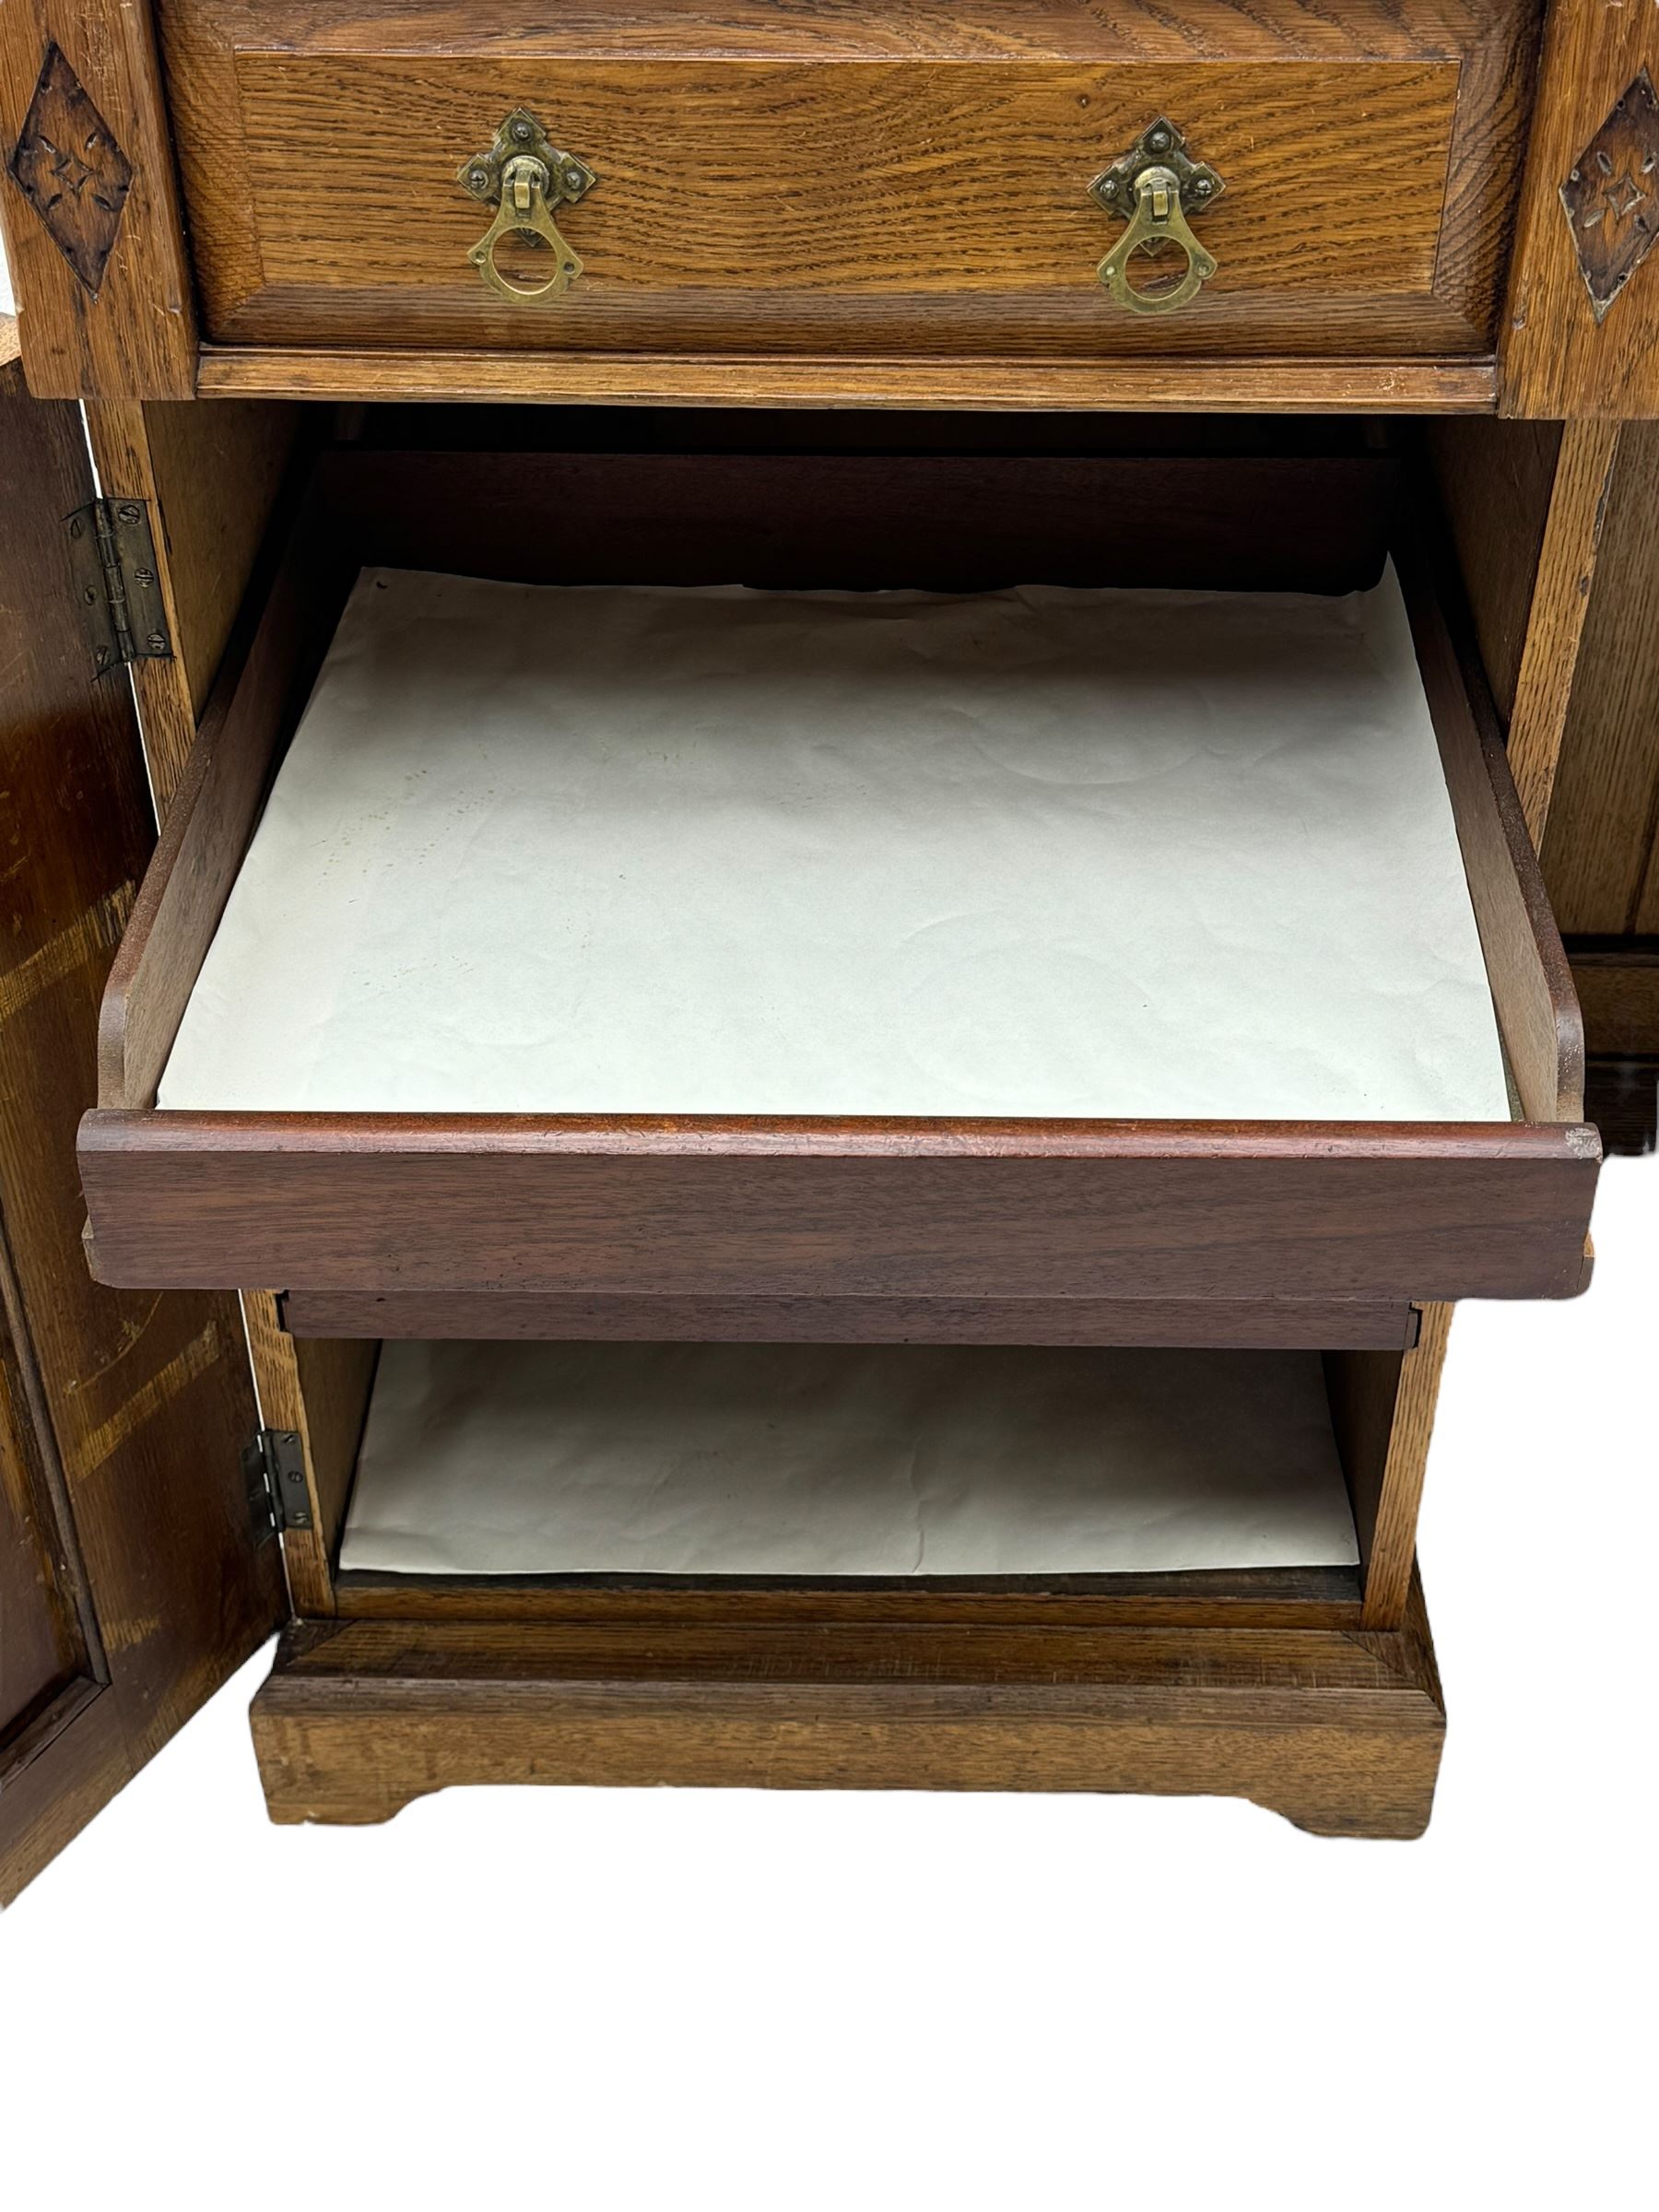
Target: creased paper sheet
{"points": [[1039, 851], [507, 1458]]}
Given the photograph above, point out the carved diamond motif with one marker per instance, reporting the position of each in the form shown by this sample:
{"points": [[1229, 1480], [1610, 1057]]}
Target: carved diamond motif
{"points": [[70, 169], [1612, 197]]}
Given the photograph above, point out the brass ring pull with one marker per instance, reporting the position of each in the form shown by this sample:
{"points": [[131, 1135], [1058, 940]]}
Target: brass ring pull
{"points": [[1157, 216], [1154, 185], [523, 211], [527, 176]]}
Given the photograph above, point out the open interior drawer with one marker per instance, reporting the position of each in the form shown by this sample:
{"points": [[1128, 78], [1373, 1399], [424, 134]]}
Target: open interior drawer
{"points": [[574, 953]]}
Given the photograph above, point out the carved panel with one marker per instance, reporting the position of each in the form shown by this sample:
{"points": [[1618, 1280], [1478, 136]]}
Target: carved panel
{"points": [[71, 169], [1612, 195]]}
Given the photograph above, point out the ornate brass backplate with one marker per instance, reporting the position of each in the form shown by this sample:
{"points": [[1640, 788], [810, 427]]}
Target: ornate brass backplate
{"points": [[1612, 195], [1154, 188], [70, 169], [524, 176]]}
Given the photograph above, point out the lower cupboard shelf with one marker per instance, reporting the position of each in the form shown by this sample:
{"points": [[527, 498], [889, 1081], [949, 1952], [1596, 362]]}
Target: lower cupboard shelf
{"points": [[853, 1566], [1339, 1732], [802, 1466]]}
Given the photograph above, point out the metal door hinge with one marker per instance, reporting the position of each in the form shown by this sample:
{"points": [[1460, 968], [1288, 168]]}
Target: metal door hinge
{"points": [[274, 1466], [113, 556]]}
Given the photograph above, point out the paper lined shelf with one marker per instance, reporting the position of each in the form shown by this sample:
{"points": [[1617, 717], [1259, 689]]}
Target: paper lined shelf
{"points": [[1045, 852], [842, 1461]]}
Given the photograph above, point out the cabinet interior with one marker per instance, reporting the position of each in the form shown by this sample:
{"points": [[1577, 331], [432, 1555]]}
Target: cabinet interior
{"points": [[805, 503], [1033, 852], [629, 1478], [1224, 506], [780, 1412]]}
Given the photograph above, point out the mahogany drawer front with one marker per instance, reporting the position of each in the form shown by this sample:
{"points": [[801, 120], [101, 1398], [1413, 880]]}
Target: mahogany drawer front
{"points": [[911, 181], [648, 1207], [344, 1203]]}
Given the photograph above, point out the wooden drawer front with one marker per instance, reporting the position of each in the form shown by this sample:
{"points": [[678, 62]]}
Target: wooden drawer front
{"points": [[1200, 1211], [915, 182], [616, 1207]]}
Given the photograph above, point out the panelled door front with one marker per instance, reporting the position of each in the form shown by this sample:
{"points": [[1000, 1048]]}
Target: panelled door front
{"points": [[131, 1583]]}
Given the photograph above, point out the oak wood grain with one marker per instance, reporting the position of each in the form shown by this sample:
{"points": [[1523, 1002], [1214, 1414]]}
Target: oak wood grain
{"points": [[910, 183], [1556, 359], [320, 1389], [1566, 571], [136, 336], [805, 30], [1308, 1597], [139, 1404], [1383, 1411], [282, 1407], [211, 477], [1601, 844], [1339, 1732], [43, 1646], [65, 1775], [1239, 382], [1390, 1559]]}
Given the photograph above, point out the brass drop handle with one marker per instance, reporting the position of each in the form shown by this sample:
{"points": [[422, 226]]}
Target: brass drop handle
{"points": [[525, 212], [1157, 216], [527, 176], [1155, 186]]}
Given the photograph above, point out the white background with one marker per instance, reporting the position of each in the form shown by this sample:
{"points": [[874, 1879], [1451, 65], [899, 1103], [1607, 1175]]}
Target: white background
{"points": [[654, 1998]]}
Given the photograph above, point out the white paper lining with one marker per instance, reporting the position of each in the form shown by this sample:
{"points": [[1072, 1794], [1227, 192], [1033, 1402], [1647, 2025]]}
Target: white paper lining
{"points": [[1040, 852], [892, 1460]]}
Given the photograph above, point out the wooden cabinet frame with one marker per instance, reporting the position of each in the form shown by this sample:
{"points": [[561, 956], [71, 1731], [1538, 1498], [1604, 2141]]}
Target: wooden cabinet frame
{"points": [[128, 327], [1323, 1703]]}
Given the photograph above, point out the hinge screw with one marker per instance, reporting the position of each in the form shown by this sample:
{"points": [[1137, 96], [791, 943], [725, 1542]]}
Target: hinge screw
{"points": [[156, 640], [129, 513]]}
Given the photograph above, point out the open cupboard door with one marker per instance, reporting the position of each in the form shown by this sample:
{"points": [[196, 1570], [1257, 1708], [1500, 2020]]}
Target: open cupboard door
{"points": [[132, 1578]]}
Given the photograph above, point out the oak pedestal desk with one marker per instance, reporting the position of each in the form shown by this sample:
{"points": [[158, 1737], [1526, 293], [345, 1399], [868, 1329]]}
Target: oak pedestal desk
{"points": [[930, 298]]}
